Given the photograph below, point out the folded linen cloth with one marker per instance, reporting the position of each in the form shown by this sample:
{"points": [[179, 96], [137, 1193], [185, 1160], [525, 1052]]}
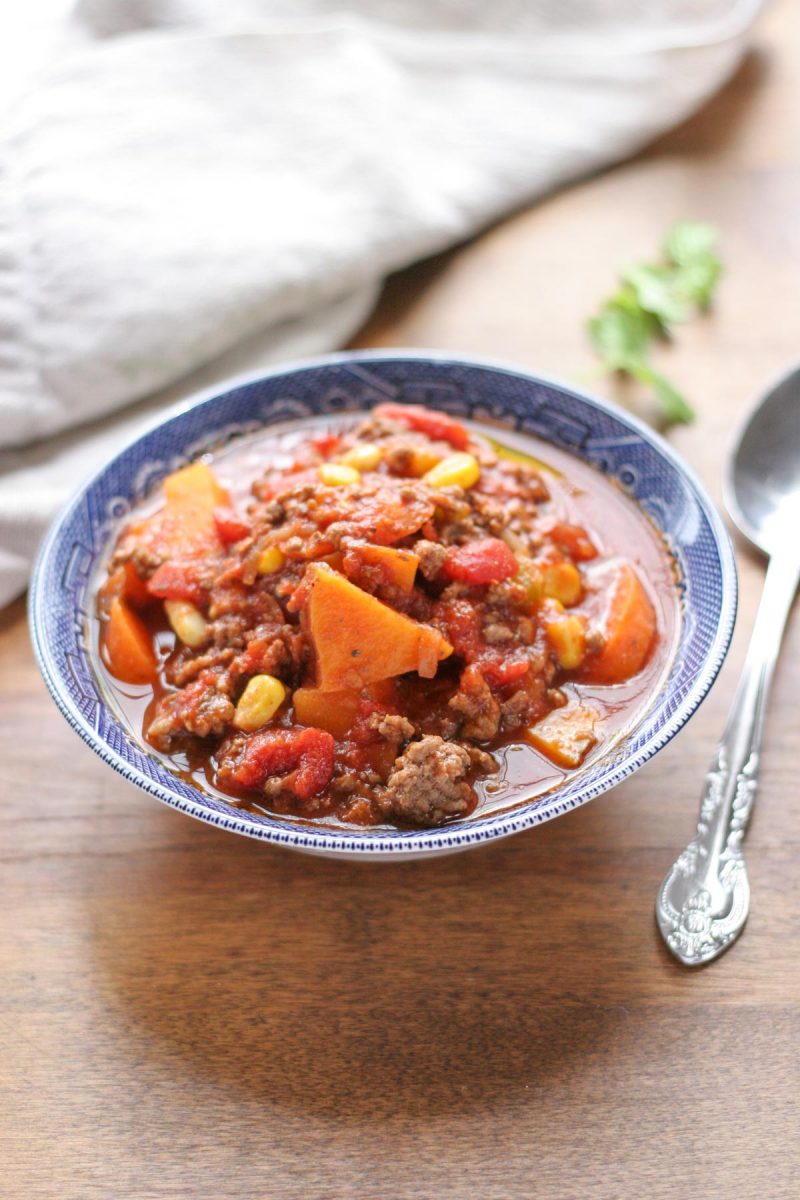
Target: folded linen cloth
{"points": [[191, 185]]}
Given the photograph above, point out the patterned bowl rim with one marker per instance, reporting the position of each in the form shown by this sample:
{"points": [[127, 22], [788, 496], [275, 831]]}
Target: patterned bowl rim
{"points": [[340, 842]]}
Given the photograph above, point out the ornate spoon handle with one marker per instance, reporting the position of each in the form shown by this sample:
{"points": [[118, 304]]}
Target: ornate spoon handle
{"points": [[703, 902]]}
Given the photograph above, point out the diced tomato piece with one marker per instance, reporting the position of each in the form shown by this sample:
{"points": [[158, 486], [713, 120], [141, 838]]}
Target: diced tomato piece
{"points": [[436, 425], [573, 540], [501, 672], [186, 705], [461, 623], [326, 443], [488, 560], [361, 731], [230, 526], [303, 756], [300, 596], [309, 453], [383, 518], [177, 581], [275, 483]]}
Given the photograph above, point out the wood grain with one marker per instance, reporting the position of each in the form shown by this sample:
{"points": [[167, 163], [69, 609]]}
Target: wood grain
{"points": [[184, 1013]]}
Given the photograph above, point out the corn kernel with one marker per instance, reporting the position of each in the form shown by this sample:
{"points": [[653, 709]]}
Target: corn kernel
{"points": [[457, 470], [567, 637], [259, 702], [529, 577], [188, 622], [338, 474], [514, 542], [270, 560], [422, 460], [562, 581], [364, 457]]}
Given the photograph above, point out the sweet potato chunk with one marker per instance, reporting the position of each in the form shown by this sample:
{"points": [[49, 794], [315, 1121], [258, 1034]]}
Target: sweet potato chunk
{"points": [[358, 639], [128, 649], [192, 495], [336, 712], [124, 584], [195, 487], [397, 567], [185, 527], [565, 735], [628, 627]]}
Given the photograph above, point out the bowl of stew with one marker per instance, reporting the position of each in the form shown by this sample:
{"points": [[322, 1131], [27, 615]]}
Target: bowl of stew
{"points": [[384, 604]]}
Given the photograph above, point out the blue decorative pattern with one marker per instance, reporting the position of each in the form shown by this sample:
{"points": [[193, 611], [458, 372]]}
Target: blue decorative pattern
{"points": [[61, 596]]}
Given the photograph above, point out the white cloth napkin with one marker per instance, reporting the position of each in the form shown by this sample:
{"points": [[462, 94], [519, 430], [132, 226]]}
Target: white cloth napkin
{"points": [[187, 184]]}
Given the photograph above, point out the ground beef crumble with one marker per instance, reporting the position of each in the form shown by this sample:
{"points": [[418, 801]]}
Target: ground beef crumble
{"points": [[428, 783], [392, 726], [431, 557], [199, 709], [477, 705]]}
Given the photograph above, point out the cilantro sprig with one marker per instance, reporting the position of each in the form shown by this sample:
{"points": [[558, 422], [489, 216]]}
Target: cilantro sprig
{"points": [[651, 298]]}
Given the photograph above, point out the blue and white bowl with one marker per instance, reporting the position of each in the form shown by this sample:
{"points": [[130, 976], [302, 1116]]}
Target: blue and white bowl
{"points": [[61, 595]]}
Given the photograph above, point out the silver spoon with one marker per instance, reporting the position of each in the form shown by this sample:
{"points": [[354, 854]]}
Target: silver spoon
{"points": [[703, 903]]}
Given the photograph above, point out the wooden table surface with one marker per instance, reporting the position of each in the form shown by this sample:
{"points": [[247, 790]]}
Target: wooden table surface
{"points": [[184, 1013]]}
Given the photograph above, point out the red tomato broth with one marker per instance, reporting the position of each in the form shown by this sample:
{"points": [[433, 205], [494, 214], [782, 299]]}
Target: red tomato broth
{"points": [[579, 497]]}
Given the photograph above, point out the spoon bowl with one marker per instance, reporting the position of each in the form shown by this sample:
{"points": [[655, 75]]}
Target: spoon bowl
{"points": [[762, 487]]}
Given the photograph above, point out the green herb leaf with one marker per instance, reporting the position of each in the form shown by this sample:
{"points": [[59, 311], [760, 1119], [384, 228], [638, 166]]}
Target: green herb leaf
{"points": [[689, 240], [697, 280], [658, 292], [652, 298], [691, 246], [620, 335]]}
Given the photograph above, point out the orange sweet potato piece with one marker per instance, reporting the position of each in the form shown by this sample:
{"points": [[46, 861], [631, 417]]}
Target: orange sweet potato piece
{"points": [[628, 626], [358, 639], [397, 567], [195, 486], [565, 735], [125, 584], [192, 494], [129, 652], [134, 588], [185, 527], [334, 712]]}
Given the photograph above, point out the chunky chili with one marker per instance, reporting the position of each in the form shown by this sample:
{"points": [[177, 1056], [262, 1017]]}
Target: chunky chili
{"points": [[393, 604]]}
